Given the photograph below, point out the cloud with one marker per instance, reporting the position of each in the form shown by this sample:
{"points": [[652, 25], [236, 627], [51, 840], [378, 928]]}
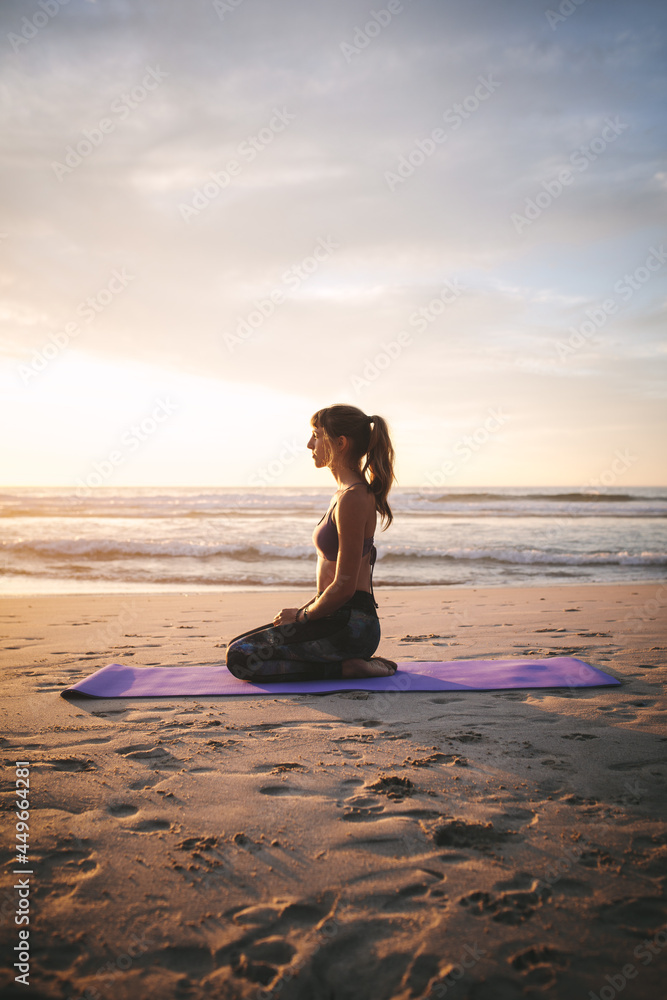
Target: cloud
{"points": [[513, 102]]}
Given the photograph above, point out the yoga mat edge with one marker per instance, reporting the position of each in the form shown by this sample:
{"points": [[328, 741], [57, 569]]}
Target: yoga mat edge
{"points": [[119, 681]]}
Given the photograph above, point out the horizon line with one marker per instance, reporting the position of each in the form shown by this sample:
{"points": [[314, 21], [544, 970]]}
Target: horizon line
{"points": [[303, 486]]}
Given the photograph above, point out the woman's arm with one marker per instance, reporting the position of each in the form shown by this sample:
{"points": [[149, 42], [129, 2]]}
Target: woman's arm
{"points": [[352, 508], [289, 615]]}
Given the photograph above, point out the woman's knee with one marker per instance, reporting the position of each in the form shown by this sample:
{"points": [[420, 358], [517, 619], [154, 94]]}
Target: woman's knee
{"points": [[368, 638], [244, 663], [238, 663]]}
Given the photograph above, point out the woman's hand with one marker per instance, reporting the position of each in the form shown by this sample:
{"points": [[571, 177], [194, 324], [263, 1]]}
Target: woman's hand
{"points": [[286, 617]]}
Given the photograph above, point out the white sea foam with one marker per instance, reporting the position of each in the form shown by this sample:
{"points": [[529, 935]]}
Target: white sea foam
{"points": [[57, 538]]}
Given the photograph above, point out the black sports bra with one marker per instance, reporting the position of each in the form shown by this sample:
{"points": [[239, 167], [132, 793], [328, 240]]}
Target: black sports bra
{"points": [[325, 540]]}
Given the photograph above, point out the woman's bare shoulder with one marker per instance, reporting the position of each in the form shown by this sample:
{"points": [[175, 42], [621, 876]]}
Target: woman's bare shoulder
{"points": [[357, 502]]}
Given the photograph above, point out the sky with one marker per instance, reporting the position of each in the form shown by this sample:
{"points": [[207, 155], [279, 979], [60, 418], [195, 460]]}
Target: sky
{"points": [[219, 217]]}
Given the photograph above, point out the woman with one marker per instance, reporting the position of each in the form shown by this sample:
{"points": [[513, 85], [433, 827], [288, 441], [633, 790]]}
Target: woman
{"points": [[336, 633]]}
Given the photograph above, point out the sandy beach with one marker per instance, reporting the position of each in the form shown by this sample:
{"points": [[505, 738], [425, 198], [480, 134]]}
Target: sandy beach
{"points": [[483, 845]]}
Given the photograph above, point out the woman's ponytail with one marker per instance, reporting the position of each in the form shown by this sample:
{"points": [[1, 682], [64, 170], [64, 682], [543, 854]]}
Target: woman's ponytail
{"points": [[380, 465]]}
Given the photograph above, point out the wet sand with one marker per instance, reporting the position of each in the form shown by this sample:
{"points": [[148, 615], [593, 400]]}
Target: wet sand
{"points": [[484, 845]]}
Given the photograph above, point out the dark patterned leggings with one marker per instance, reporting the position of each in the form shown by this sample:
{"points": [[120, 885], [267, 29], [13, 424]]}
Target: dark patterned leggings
{"points": [[307, 650]]}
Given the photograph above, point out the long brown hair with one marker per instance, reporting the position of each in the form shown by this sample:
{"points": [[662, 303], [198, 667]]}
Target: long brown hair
{"points": [[368, 436]]}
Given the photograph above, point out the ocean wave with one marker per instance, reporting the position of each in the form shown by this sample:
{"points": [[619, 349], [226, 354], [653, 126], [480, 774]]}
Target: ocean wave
{"points": [[95, 548], [542, 557], [112, 549], [177, 504], [92, 573], [593, 497]]}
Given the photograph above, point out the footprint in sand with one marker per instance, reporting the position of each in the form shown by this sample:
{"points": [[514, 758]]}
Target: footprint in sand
{"points": [[354, 738], [393, 786], [644, 915], [571, 886], [144, 783], [402, 890], [285, 790], [424, 638], [145, 751], [448, 759], [263, 948], [360, 808], [354, 955], [556, 765], [467, 737], [540, 963], [63, 866], [70, 764], [481, 837], [193, 960], [151, 825], [578, 800], [596, 858], [272, 949], [515, 814], [120, 809], [285, 766], [507, 908]]}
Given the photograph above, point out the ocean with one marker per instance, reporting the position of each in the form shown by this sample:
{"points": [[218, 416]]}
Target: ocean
{"points": [[106, 540]]}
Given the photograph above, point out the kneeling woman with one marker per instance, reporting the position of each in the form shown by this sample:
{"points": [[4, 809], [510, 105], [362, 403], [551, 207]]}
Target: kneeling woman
{"points": [[336, 633]]}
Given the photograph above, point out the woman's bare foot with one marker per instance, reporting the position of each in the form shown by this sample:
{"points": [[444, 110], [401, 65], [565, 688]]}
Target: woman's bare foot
{"points": [[377, 666]]}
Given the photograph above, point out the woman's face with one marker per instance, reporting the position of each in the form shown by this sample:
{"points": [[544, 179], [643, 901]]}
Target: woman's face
{"points": [[317, 446]]}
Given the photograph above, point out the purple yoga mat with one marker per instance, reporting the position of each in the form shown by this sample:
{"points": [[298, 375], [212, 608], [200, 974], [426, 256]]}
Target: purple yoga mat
{"points": [[118, 681]]}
